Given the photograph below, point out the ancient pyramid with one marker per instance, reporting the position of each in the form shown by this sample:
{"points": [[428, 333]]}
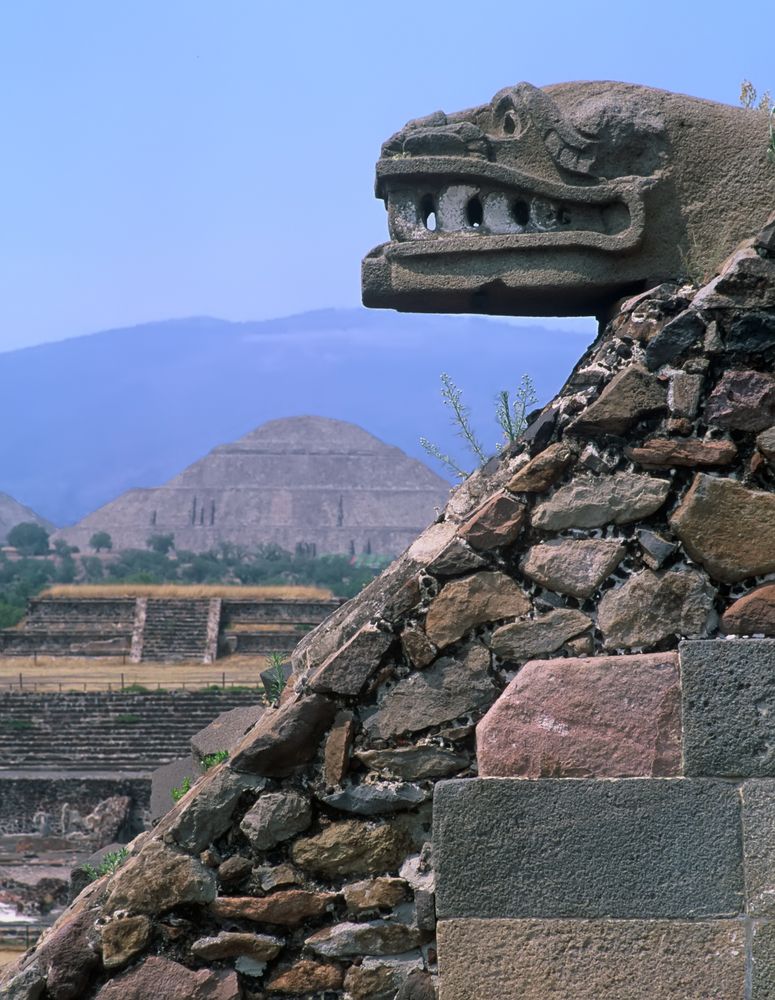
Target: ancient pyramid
{"points": [[324, 484], [12, 513]]}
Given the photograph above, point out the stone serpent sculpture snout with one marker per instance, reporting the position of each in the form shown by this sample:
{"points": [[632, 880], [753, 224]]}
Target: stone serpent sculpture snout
{"points": [[558, 201]]}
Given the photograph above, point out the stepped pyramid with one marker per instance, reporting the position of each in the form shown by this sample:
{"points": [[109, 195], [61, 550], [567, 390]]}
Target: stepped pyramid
{"points": [[324, 484]]}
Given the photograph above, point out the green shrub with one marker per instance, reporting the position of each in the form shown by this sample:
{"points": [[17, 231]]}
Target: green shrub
{"points": [[109, 864], [180, 790], [211, 759], [127, 719]]}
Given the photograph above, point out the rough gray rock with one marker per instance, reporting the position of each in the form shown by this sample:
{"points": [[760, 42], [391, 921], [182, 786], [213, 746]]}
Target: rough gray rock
{"points": [[575, 566], [650, 607], [621, 849], [452, 687], [275, 817], [590, 501]]}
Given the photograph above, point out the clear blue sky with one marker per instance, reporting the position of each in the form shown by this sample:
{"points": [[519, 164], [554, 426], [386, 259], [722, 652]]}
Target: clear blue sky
{"points": [[169, 158]]}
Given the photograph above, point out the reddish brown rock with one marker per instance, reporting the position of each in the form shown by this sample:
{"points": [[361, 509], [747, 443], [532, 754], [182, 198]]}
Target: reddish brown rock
{"points": [[158, 878], [629, 397], [575, 566], [727, 528], [418, 647], [286, 737], [235, 944], [742, 400], [352, 848], [348, 669], [496, 523], [667, 453], [162, 979], [288, 908], [591, 717], [70, 954], [123, 938], [371, 894], [336, 755], [544, 470], [473, 600], [306, 976], [753, 614]]}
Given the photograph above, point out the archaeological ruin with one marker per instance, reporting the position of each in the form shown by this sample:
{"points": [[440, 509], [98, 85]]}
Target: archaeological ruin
{"points": [[534, 758], [322, 484]]}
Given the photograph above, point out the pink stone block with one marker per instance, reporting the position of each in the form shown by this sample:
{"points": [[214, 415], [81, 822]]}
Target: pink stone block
{"points": [[586, 717]]}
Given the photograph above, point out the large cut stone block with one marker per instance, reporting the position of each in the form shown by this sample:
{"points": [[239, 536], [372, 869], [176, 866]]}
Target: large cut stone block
{"points": [[585, 717], [592, 960], [637, 848], [729, 707], [759, 847]]}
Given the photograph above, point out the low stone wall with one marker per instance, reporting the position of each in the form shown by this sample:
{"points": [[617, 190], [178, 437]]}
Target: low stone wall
{"points": [[291, 612], [58, 798]]}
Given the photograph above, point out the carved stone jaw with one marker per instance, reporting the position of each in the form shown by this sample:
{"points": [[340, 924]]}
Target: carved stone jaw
{"points": [[560, 201]]}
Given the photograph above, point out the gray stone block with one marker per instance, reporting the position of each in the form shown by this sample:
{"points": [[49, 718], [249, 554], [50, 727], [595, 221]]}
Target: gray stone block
{"points": [[729, 707], [633, 848], [225, 732], [164, 779], [759, 847]]}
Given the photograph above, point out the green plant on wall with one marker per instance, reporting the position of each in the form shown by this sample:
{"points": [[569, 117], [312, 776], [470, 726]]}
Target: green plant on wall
{"points": [[277, 678], [178, 791], [211, 759], [109, 864], [510, 414]]}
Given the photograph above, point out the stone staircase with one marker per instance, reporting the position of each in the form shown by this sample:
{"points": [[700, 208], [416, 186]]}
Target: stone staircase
{"points": [[98, 731], [177, 630]]}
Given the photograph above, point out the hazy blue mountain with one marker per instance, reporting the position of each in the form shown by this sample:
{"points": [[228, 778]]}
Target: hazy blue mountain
{"points": [[87, 418]]}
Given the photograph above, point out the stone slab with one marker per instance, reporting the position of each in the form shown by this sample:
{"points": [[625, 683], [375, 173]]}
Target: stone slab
{"points": [[164, 779], [729, 707], [585, 717], [225, 731], [759, 846], [632, 848], [592, 960]]}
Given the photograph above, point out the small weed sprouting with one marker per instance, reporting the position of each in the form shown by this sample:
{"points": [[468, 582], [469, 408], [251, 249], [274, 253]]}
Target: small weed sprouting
{"points": [[211, 759], [180, 790], [277, 678], [750, 98], [127, 719], [18, 725], [510, 414], [112, 861]]}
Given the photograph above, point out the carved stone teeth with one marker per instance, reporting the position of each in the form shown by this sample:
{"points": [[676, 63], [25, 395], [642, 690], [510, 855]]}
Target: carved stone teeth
{"points": [[463, 208]]}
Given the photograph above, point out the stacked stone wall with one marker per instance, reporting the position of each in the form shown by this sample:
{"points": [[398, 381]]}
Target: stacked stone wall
{"points": [[549, 600]]}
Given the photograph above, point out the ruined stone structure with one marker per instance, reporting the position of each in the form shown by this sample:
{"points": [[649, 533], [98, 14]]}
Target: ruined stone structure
{"points": [[162, 629], [323, 484], [534, 758]]}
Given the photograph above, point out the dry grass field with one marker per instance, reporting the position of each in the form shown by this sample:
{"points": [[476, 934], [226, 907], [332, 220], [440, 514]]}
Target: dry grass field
{"points": [[6, 957], [60, 673], [182, 590]]}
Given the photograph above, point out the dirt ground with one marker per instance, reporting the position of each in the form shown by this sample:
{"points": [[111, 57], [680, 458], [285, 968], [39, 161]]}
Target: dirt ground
{"points": [[6, 957], [56, 673]]}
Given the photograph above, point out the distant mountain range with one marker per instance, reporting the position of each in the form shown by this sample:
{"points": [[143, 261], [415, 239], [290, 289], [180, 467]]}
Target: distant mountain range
{"points": [[88, 418]]}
